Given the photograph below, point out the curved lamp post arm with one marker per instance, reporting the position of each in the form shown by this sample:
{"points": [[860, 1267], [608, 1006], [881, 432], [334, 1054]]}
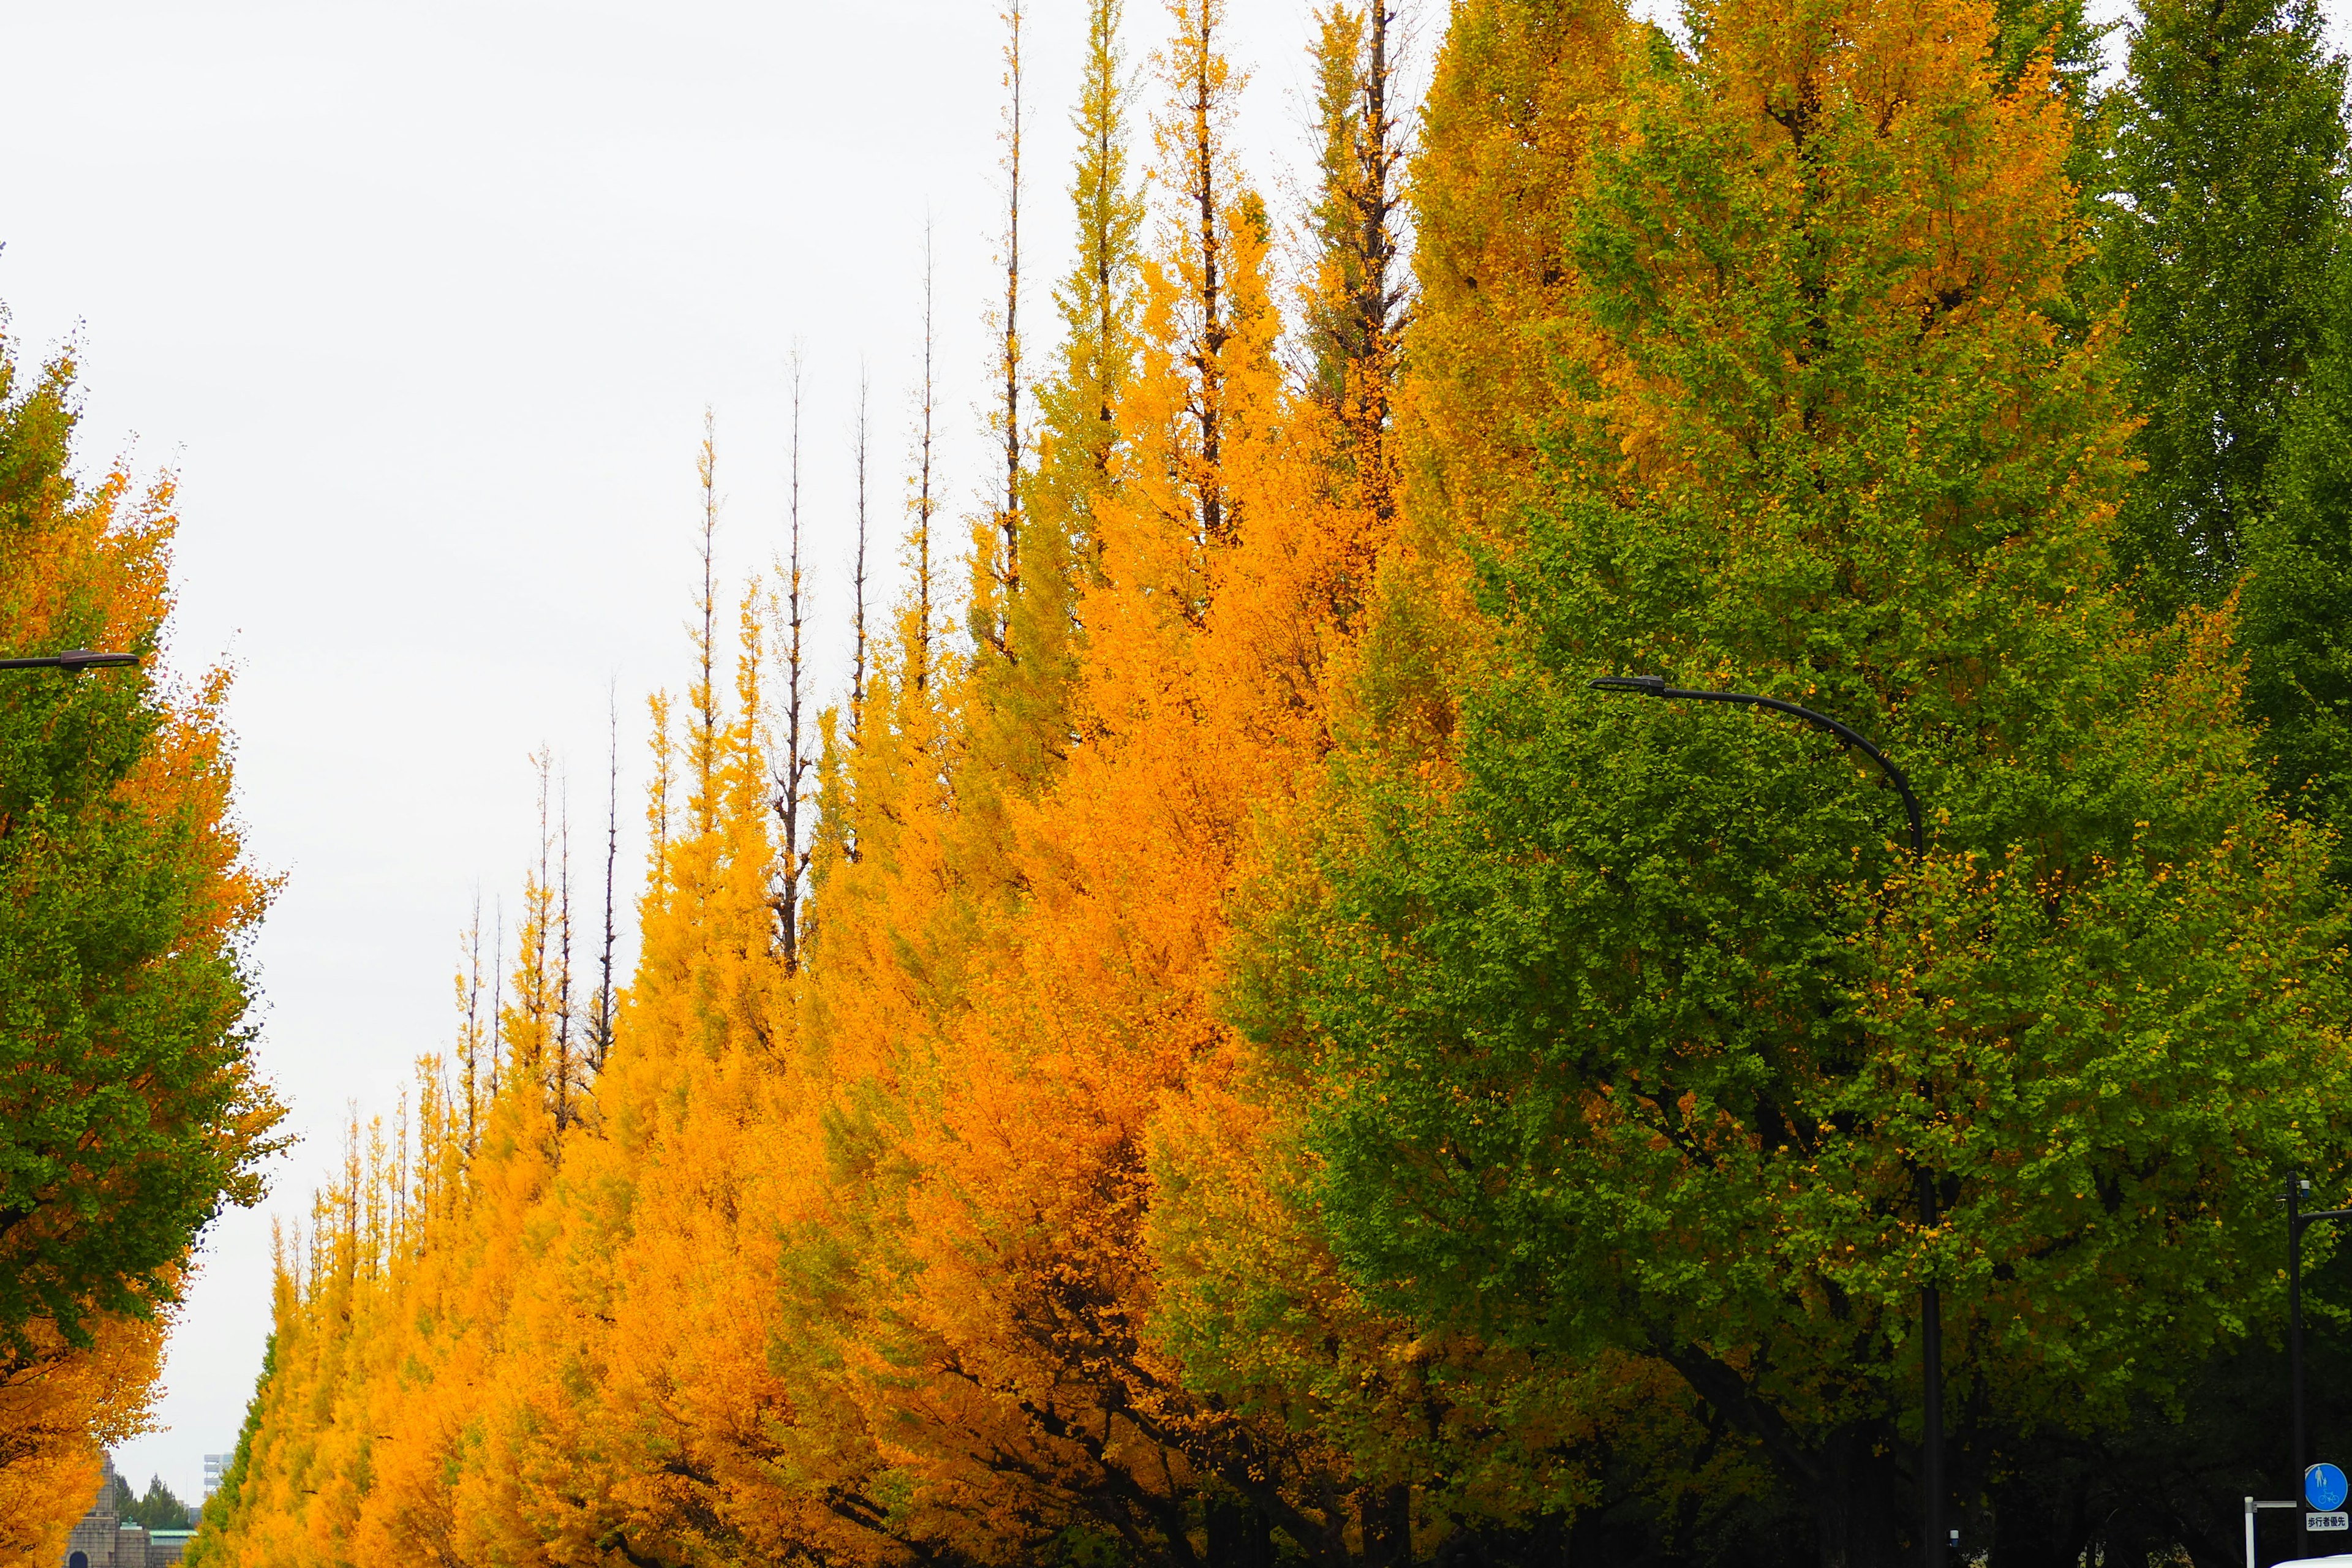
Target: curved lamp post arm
{"points": [[1655, 685], [74, 661]]}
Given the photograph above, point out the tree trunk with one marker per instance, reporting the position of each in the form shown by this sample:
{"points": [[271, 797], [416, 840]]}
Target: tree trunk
{"points": [[1239, 1536], [1388, 1525]]}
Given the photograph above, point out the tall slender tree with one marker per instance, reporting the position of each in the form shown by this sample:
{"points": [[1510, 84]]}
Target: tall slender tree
{"points": [[1338, 56], [857, 571], [565, 1071], [1193, 135], [658, 803], [1096, 301], [702, 740], [790, 780], [535, 1028], [922, 504], [472, 1069], [1027, 731], [601, 1031], [999, 585], [498, 994], [834, 841], [1355, 296]]}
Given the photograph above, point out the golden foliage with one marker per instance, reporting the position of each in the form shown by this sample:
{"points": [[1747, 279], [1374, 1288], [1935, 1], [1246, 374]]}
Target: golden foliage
{"points": [[59, 1409]]}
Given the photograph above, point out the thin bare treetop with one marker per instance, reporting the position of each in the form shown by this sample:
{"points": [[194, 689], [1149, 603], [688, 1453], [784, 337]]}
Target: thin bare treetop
{"points": [[791, 778], [1007, 417]]}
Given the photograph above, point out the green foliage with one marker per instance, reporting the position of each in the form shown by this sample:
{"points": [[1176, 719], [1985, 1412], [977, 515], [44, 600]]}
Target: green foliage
{"points": [[2298, 596], [1630, 1031], [2227, 176], [158, 1509], [128, 1113], [2056, 30], [1623, 1049]]}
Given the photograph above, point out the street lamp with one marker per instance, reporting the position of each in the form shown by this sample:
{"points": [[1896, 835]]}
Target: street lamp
{"points": [[74, 661], [1931, 1310]]}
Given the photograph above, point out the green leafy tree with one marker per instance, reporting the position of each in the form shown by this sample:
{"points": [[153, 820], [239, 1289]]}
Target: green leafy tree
{"points": [[2227, 177], [1630, 1030], [129, 1106], [158, 1508]]}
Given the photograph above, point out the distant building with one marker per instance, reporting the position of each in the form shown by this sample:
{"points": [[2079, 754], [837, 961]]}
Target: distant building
{"points": [[215, 1468], [103, 1541]]}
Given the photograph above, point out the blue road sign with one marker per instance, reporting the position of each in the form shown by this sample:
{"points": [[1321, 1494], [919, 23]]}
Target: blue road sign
{"points": [[2323, 1488]]}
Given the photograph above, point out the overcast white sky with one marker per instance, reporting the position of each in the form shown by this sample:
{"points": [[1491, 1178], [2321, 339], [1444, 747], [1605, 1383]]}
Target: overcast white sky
{"points": [[423, 301]]}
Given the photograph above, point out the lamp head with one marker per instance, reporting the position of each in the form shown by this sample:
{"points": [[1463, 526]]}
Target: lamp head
{"points": [[82, 658], [1647, 685]]}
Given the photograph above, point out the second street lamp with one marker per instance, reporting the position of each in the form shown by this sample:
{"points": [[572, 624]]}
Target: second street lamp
{"points": [[1931, 1312], [73, 661]]}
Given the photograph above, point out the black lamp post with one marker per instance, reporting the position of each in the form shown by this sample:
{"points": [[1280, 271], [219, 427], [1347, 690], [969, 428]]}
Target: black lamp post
{"points": [[2296, 1220], [73, 662], [1931, 1310]]}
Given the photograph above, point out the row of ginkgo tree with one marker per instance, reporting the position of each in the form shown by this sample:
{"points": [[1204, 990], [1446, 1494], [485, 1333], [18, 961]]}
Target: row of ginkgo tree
{"points": [[1261, 1061]]}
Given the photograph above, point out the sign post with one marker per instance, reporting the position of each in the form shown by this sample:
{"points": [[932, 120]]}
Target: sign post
{"points": [[2250, 1506]]}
